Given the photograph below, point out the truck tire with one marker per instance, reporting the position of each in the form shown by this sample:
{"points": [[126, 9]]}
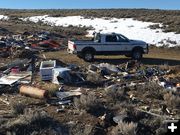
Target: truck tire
{"points": [[88, 56], [137, 54]]}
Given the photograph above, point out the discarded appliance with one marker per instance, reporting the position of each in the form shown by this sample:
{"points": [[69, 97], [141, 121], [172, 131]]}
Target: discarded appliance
{"points": [[46, 68], [33, 92]]}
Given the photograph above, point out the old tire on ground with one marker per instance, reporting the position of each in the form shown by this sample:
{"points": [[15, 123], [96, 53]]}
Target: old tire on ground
{"points": [[137, 54], [88, 56]]}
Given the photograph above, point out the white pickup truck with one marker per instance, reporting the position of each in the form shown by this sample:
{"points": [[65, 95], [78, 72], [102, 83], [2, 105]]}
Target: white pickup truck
{"points": [[108, 44]]}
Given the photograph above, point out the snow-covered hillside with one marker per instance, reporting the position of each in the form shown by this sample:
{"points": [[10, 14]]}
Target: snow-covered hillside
{"points": [[2, 17], [129, 27]]}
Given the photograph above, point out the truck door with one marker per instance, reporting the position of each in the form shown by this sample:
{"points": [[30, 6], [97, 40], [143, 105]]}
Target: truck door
{"points": [[115, 44]]}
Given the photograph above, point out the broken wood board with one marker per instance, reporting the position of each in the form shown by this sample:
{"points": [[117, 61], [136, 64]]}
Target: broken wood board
{"points": [[13, 78]]}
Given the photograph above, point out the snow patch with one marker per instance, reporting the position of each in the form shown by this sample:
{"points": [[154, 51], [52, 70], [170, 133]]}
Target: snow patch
{"points": [[3, 17], [129, 27]]}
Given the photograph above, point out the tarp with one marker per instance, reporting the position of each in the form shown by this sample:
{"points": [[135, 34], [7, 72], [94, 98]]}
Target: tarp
{"points": [[65, 75], [62, 73]]}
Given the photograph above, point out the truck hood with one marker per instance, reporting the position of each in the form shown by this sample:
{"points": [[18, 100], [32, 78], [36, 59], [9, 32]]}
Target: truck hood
{"points": [[139, 42]]}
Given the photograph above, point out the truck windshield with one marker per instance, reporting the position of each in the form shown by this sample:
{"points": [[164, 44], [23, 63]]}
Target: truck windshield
{"points": [[97, 37], [122, 38]]}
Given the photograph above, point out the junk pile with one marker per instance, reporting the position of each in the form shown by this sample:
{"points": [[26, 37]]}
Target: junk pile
{"points": [[25, 43], [49, 71], [20, 72], [132, 74]]}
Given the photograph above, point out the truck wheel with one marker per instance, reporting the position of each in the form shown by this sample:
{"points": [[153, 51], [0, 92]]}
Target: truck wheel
{"points": [[137, 54], [88, 56]]}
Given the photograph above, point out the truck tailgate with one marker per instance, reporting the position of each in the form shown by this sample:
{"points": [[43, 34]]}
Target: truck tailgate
{"points": [[71, 46]]}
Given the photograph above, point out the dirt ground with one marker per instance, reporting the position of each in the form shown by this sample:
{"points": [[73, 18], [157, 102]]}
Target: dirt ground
{"points": [[156, 56]]}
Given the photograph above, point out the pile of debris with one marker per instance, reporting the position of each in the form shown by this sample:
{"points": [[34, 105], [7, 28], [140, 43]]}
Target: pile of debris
{"points": [[15, 45], [23, 71]]}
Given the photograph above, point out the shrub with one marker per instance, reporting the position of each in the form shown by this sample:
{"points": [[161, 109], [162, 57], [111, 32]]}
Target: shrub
{"points": [[17, 108], [90, 104], [115, 93], [172, 100], [154, 26], [124, 129], [85, 102], [32, 122], [94, 78], [151, 89]]}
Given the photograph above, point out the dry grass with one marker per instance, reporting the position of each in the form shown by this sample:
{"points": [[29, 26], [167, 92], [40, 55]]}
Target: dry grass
{"points": [[86, 102], [152, 90], [164, 53], [90, 104], [171, 100], [94, 78], [18, 108], [125, 129], [45, 85], [167, 17], [115, 94], [31, 122]]}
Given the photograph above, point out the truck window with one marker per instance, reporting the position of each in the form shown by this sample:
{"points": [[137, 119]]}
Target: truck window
{"points": [[121, 38], [111, 38], [97, 38]]}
